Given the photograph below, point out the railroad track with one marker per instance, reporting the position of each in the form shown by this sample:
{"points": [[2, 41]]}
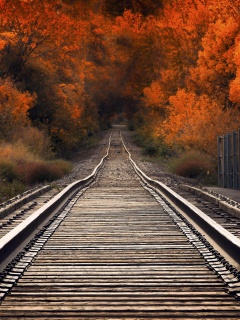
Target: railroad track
{"points": [[225, 212], [118, 249]]}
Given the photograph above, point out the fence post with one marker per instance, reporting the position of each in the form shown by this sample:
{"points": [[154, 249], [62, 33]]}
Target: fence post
{"points": [[229, 160], [225, 166], [235, 160], [220, 161]]}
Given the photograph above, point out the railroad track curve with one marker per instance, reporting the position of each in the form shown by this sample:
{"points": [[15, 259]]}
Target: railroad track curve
{"points": [[116, 249]]}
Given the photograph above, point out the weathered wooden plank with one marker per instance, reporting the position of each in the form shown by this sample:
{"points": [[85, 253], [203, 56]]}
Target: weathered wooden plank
{"points": [[147, 308]]}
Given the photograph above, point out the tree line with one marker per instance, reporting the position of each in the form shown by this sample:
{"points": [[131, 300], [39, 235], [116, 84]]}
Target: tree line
{"points": [[172, 68]]}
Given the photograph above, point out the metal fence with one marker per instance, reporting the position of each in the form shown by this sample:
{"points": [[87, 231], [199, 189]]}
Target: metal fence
{"points": [[229, 160]]}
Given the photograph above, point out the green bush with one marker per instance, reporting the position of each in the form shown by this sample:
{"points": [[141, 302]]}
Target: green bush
{"points": [[151, 149], [7, 170], [9, 190], [88, 143], [130, 127]]}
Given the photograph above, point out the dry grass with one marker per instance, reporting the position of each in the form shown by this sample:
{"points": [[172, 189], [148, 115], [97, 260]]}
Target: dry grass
{"points": [[193, 165], [42, 171], [18, 163], [37, 142]]}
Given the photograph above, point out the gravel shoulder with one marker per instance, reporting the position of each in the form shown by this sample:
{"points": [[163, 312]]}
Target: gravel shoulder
{"points": [[85, 160]]}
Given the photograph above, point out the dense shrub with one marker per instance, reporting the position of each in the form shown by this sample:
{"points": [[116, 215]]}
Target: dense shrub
{"points": [[43, 171], [36, 141], [10, 189], [17, 163], [192, 165], [62, 165], [7, 170], [152, 147]]}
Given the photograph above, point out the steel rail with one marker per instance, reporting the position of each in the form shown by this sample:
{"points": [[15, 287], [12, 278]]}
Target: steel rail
{"points": [[13, 204], [229, 243], [118, 252], [11, 241]]}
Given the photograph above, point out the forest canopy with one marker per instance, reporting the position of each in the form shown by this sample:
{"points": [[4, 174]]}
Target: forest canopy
{"points": [[171, 68]]}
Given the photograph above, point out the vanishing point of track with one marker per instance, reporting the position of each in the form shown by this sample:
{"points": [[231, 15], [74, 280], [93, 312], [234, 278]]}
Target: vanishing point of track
{"points": [[118, 250]]}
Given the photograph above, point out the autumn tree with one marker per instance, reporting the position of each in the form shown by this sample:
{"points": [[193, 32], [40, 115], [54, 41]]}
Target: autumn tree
{"points": [[194, 122], [14, 107], [132, 61], [216, 67], [197, 66], [172, 65], [30, 30], [43, 49], [177, 40], [234, 92]]}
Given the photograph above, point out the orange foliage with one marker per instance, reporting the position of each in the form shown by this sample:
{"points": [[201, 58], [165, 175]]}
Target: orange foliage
{"points": [[45, 49], [72, 100], [178, 70], [234, 92], [14, 106], [195, 121], [197, 89], [215, 64], [34, 29]]}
